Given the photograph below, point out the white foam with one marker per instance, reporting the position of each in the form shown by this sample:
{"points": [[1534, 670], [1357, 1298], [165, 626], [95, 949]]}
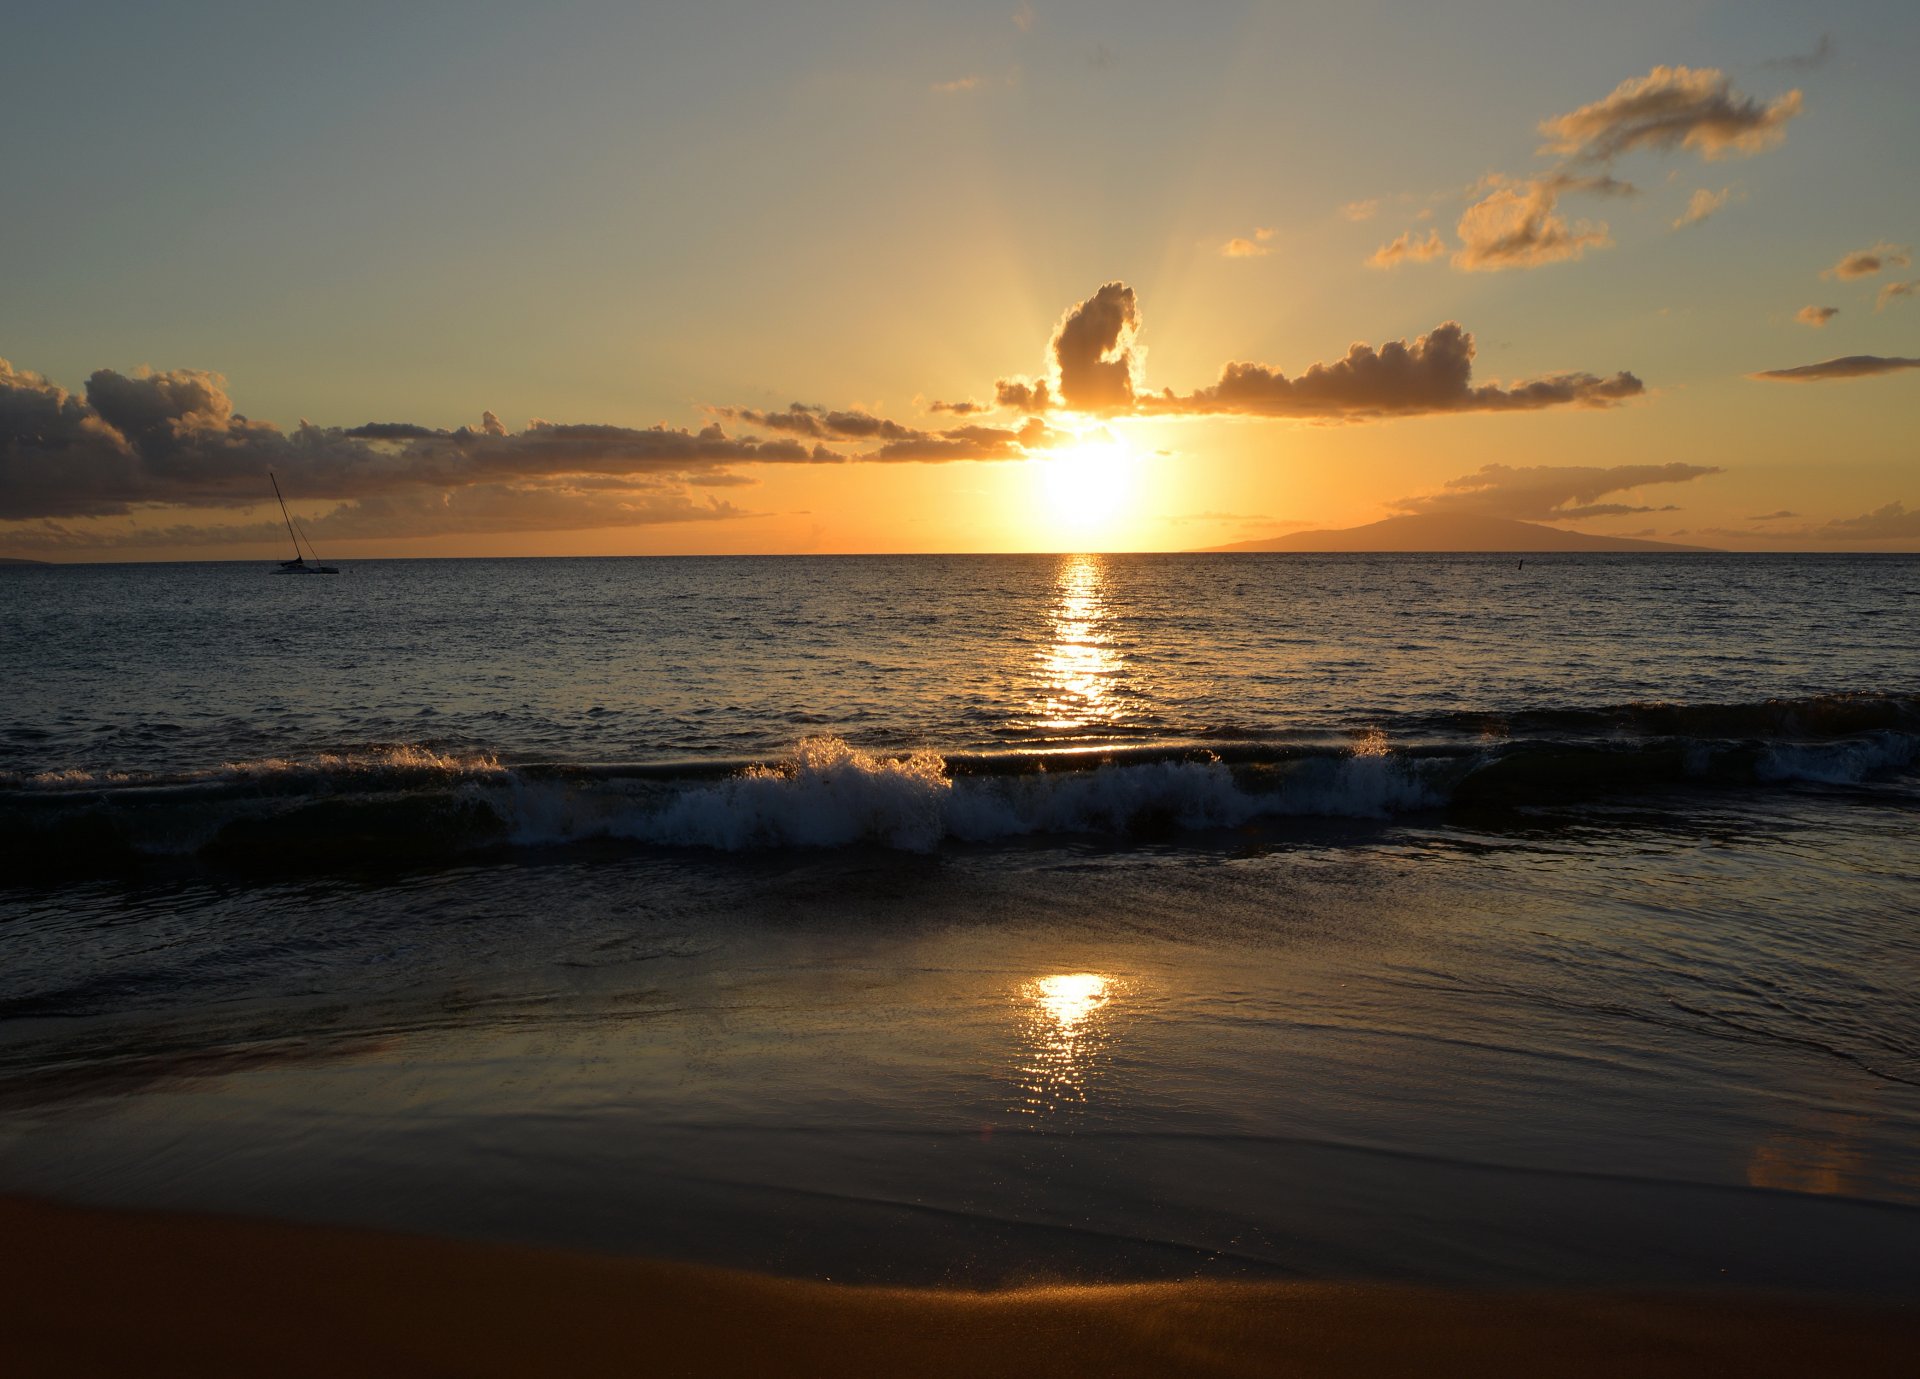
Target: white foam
{"points": [[827, 794], [1839, 763]]}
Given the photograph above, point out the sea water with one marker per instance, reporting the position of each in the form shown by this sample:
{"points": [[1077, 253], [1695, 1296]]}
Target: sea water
{"points": [[977, 919]]}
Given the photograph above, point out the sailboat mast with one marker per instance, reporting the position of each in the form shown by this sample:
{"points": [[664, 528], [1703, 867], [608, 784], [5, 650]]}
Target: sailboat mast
{"points": [[285, 515]]}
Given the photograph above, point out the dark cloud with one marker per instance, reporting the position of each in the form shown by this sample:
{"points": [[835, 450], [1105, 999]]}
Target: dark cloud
{"points": [[1092, 358], [1864, 263], [1672, 107], [970, 443], [392, 431], [1804, 62], [965, 408], [1433, 374], [1773, 516], [1091, 349], [1848, 366], [1023, 396], [1550, 492], [174, 439], [822, 424]]}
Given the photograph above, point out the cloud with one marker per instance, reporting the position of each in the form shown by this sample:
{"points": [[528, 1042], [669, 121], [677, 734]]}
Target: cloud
{"points": [[1240, 247], [1550, 493], [1816, 316], [958, 85], [1406, 248], [151, 441], [1895, 521], [1092, 356], [969, 443], [479, 509], [1361, 210], [1096, 365], [1023, 19], [1671, 107], [1804, 62], [1773, 516], [1700, 205], [1431, 375], [818, 423], [174, 440], [1023, 395], [1892, 290], [1849, 366], [1864, 263], [1515, 227]]}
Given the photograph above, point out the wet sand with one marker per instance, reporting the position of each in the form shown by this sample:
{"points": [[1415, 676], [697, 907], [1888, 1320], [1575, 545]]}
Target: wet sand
{"points": [[92, 1292]]}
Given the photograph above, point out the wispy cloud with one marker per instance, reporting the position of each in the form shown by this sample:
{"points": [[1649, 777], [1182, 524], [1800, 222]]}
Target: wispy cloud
{"points": [[959, 85], [1816, 316], [1361, 210], [1891, 291], [1406, 249], [1849, 366], [1864, 263], [1804, 62], [1700, 205], [1516, 226], [1240, 247], [1515, 222], [1672, 107]]}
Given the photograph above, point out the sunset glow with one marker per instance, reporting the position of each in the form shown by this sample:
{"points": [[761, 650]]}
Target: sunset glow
{"points": [[1092, 489], [1162, 333]]}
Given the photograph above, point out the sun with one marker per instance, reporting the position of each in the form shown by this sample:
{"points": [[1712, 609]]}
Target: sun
{"points": [[1089, 487]]}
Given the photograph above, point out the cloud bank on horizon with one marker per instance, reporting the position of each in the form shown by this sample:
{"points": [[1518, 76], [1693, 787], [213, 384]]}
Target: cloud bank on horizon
{"points": [[174, 440]]}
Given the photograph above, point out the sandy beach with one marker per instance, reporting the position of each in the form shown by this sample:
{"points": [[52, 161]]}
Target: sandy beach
{"points": [[93, 1292]]}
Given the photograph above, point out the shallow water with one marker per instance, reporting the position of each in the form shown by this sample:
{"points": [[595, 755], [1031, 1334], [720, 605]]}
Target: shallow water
{"points": [[1467, 970]]}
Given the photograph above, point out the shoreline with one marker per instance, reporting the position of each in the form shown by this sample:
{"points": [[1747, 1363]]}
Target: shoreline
{"points": [[98, 1291]]}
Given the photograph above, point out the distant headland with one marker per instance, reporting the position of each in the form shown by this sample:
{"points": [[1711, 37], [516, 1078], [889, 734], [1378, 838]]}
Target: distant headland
{"points": [[1451, 533]]}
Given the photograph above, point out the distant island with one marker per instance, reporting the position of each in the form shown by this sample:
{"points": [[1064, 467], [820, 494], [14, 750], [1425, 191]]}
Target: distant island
{"points": [[1451, 533], [16, 560]]}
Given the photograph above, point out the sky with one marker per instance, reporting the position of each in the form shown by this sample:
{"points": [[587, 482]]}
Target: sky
{"points": [[502, 279]]}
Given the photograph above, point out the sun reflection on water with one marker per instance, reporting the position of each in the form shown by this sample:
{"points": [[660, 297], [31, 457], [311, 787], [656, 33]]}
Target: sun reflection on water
{"points": [[1079, 670], [1066, 1030]]}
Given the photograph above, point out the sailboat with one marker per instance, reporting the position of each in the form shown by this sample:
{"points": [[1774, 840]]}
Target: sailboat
{"points": [[298, 565]]}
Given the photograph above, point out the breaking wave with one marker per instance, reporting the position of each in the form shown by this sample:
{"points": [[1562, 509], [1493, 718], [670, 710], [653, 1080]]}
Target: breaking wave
{"points": [[403, 803]]}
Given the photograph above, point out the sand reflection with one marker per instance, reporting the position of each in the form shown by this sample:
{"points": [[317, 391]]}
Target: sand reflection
{"points": [[1825, 1159], [1066, 1032], [1079, 669]]}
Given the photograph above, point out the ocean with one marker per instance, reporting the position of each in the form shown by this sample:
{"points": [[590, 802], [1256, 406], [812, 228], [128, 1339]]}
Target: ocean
{"points": [[984, 920]]}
